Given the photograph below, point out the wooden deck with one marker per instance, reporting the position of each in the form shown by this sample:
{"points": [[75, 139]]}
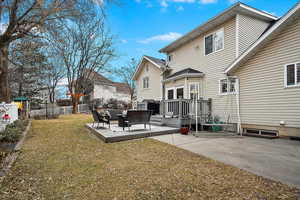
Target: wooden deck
{"points": [[116, 134]]}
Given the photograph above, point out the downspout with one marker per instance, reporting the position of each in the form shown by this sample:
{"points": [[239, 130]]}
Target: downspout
{"points": [[238, 106]]}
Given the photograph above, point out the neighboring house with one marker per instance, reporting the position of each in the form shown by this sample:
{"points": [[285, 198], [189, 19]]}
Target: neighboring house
{"points": [[245, 61], [105, 89]]}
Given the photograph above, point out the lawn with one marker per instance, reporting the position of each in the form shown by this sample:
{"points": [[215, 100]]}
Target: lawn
{"points": [[60, 159]]}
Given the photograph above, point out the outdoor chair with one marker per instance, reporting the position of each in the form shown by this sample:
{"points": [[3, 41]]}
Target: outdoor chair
{"points": [[99, 118], [134, 117]]}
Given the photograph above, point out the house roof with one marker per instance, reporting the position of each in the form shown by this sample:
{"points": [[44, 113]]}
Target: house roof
{"points": [[157, 62], [95, 76], [187, 72], [122, 87], [266, 37], [238, 8]]}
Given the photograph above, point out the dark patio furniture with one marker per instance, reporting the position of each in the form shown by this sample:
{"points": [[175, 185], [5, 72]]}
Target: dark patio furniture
{"points": [[134, 117], [121, 121], [99, 118], [114, 113]]}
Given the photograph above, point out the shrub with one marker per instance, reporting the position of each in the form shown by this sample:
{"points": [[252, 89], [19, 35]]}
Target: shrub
{"points": [[13, 132]]}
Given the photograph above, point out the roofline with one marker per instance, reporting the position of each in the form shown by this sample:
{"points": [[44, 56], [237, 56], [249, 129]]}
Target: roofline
{"points": [[238, 4], [188, 75], [236, 63], [139, 65]]}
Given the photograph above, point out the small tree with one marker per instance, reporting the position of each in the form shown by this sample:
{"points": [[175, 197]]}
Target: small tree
{"points": [[85, 46], [126, 73], [26, 69]]}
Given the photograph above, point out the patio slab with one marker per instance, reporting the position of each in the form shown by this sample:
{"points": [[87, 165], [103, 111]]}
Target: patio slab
{"points": [[276, 159], [116, 133]]}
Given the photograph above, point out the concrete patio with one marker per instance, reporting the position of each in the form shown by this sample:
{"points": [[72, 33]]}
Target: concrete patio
{"points": [[277, 159], [116, 133]]}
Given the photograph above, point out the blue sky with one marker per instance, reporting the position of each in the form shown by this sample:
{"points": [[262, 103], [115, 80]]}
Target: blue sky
{"points": [[142, 27]]}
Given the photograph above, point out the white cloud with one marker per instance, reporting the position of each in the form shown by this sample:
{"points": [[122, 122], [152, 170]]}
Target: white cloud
{"points": [[124, 41], [233, 1], [209, 1], [164, 4], [164, 37], [179, 8], [3, 27]]}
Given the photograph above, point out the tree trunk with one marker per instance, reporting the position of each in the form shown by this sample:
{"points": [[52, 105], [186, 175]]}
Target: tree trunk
{"points": [[75, 101], [4, 87]]}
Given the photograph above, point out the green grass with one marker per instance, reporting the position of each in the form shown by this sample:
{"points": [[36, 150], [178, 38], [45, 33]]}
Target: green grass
{"points": [[60, 159]]}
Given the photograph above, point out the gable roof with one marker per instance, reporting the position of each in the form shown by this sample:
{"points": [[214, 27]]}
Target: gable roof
{"points": [[159, 63], [187, 72], [95, 76], [122, 87], [267, 36], [218, 20]]}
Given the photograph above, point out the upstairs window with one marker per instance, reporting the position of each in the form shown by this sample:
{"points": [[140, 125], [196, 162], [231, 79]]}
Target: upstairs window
{"points": [[146, 82], [214, 42], [170, 58], [292, 75], [227, 86]]}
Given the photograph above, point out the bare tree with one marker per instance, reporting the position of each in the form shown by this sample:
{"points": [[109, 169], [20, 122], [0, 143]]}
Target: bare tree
{"points": [[85, 46], [126, 73], [27, 18]]}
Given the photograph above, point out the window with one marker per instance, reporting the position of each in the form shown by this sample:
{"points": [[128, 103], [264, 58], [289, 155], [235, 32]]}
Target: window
{"points": [[228, 86], [292, 75], [147, 67], [179, 93], [214, 42], [170, 94], [170, 58], [146, 82], [193, 90]]}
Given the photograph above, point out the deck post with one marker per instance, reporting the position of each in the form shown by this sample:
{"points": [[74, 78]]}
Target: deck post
{"points": [[180, 109], [209, 102]]}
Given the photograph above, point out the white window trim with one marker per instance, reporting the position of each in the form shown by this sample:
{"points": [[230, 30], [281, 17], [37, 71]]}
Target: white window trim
{"points": [[295, 72], [175, 91], [189, 89], [226, 93], [212, 33], [148, 83], [167, 92]]}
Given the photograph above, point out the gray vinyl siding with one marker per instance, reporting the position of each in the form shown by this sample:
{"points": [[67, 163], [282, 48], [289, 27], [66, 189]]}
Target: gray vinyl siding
{"points": [[250, 29], [212, 65], [264, 100]]}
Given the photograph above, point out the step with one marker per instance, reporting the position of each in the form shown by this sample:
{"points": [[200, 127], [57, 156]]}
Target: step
{"points": [[260, 136], [156, 123]]}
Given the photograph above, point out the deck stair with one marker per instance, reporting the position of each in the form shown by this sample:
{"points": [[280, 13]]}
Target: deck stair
{"points": [[156, 120], [261, 133]]}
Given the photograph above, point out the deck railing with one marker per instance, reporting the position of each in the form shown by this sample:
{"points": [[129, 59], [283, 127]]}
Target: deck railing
{"points": [[183, 108]]}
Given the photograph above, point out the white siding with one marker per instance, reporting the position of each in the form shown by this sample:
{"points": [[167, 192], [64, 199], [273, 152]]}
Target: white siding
{"points": [[154, 90], [212, 65], [250, 29], [264, 99]]}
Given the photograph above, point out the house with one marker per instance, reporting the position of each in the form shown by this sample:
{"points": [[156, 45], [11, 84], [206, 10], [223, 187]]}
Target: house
{"points": [[242, 67], [104, 89]]}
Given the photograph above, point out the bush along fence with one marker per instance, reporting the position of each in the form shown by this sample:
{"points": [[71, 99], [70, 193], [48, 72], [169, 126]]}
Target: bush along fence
{"points": [[52, 111]]}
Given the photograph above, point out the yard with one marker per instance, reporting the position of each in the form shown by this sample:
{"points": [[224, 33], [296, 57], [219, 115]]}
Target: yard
{"points": [[60, 159]]}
